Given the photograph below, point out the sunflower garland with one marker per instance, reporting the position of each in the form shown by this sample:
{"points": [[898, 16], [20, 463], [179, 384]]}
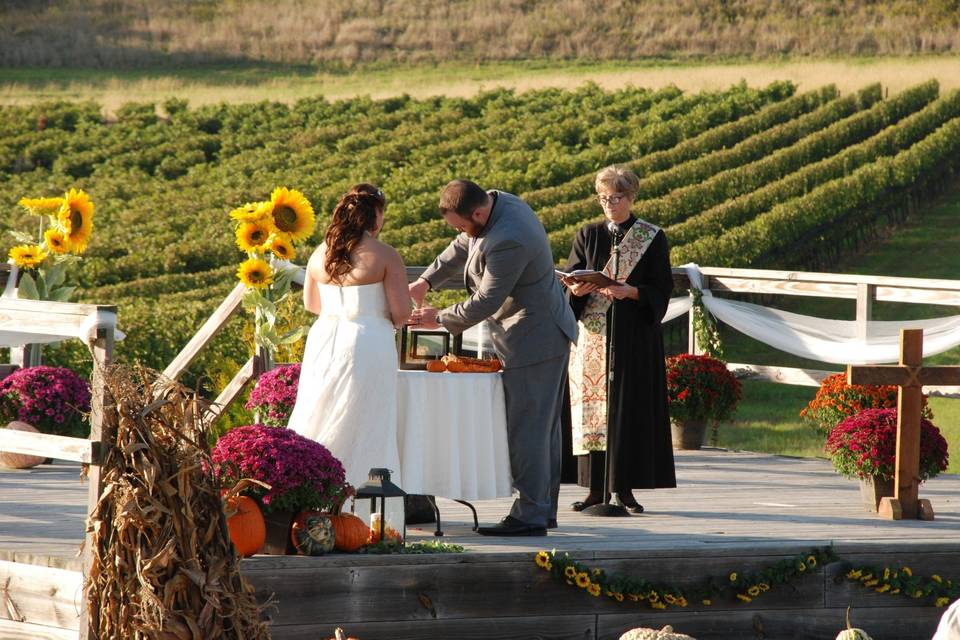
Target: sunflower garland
{"points": [[69, 227], [741, 586]]}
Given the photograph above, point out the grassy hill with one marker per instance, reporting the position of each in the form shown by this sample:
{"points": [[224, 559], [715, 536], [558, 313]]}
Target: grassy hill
{"points": [[341, 34]]}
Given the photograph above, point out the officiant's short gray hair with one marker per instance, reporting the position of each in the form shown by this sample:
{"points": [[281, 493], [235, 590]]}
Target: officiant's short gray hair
{"points": [[618, 178]]}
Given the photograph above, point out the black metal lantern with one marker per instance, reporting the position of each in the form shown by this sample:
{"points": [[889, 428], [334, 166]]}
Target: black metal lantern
{"points": [[380, 503]]}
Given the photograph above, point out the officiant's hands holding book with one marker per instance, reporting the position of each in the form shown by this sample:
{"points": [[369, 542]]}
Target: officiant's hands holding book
{"points": [[620, 292]]}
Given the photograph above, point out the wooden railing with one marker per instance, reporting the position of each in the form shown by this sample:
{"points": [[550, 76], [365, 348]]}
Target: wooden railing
{"points": [[864, 289], [51, 592]]}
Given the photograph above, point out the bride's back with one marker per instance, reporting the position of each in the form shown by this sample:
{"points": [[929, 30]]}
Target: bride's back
{"points": [[368, 260]]}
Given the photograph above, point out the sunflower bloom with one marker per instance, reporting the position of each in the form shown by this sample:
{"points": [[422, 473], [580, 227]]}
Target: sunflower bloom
{"points": [[936, 578], [707, 602], [252, 236], [281, 247], [744, 597], [570, 571], [76, 216], [594, 590], [583, 580], [255, 273], [764, 586], [658, 605], [292, 213], [754, 591], [28, 256], [543, 558], [811, 561], [907, 570], [733, 577], [56, 241], [41, 206], [618, 597], [942, 602], [252, 212]]}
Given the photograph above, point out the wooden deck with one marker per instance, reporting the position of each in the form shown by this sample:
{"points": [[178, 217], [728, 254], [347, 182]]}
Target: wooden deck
{"points": [[732, 511]]}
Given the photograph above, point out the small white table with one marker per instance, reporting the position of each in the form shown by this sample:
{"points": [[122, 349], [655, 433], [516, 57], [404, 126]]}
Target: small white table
{"points": [[452, 435]]}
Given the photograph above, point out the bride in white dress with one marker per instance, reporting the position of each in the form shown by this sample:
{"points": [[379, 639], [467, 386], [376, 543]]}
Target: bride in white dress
{"points": [[357, 285]]}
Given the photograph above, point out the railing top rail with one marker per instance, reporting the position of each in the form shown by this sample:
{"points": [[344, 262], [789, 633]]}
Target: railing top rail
{"points": [[835, 278]]}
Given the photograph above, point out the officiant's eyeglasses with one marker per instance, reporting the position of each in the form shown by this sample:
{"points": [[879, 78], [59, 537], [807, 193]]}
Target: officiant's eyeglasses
{"points": [[613, 198]]}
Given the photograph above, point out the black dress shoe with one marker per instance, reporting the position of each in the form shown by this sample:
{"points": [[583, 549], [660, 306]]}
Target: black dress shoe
{"points": [[630, 504], [510, 526], [590, 500], [552, 523]]}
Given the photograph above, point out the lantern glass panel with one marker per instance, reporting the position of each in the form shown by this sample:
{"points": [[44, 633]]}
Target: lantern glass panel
{"points": [[371, 511]]}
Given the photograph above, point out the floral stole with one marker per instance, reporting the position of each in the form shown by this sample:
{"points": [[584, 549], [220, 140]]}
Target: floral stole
{"points": [[588, 359]]}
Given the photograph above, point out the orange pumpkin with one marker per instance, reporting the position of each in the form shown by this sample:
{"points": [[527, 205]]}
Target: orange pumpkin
{"points": [[248, 531], [19, 460], [436, 366], [349, 532]]}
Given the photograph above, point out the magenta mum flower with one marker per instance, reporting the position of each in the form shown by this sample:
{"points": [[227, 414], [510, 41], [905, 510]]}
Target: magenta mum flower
{"points": [[275, 394], [52, 399]]}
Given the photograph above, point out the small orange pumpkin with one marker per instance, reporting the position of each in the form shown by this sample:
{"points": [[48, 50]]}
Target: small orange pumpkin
{"points": [[248, 531], [19, 460], [436, 366], [349, 532]]}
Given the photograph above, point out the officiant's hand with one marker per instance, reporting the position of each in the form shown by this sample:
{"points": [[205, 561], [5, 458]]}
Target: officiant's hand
{"points": [[418, 289], [620, 292], [424, 318], [579, 288]]}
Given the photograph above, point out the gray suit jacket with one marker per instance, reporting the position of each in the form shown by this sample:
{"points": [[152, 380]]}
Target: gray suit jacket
{"points": [[509, 274]]}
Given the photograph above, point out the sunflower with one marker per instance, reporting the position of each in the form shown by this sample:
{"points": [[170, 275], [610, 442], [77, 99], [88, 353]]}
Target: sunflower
{"points": [[56, 241], [594, 589], [570, 571], [41, 206], [281, 246], [543, 558], [253, 236], [583, 580], [28, 256], [292, 213], [255, 273], [76, 216], [252, 212]]}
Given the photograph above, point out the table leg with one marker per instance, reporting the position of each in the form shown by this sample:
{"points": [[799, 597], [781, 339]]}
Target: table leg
{"points": [[476, 522], [436, 512]]}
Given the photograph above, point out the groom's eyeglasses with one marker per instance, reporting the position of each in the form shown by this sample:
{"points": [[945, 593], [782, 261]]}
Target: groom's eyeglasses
{"points": [[613, 198]]}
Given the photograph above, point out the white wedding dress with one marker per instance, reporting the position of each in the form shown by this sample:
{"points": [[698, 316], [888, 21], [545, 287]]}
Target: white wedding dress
{"points": [[347, 395]]}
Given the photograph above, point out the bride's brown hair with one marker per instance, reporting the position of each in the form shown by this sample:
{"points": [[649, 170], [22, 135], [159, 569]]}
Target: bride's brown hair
{"points": [[355, 213]]}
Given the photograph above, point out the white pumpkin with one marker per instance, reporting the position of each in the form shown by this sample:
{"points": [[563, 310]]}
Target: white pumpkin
{"points": [[18, 460], [644, 633], [852, 634]]}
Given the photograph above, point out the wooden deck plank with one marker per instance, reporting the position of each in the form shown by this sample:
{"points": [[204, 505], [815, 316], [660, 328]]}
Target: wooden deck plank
{"points": [[723, 498]]}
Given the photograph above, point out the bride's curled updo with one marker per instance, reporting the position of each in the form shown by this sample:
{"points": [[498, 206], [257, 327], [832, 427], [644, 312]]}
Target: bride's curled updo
{"points": [[355, 213]]}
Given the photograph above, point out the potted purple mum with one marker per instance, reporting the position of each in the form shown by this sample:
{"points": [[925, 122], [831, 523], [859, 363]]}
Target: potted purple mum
{"points": [[52, 399], [275, 394], [301, 475]]}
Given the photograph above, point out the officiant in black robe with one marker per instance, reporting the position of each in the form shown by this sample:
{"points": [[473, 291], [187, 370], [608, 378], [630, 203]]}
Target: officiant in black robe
{"points": [[639, 425]]}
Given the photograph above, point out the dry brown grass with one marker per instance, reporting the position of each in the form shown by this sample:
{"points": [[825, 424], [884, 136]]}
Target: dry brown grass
{"points": [[112, 33]]}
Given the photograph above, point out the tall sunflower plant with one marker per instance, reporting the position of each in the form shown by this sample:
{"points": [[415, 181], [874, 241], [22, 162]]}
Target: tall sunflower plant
{"points": [[268, 232], [63, 232]]}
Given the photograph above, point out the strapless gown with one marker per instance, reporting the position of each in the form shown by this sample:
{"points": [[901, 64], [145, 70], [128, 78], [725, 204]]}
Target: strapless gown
{"points": [[347, 396]]}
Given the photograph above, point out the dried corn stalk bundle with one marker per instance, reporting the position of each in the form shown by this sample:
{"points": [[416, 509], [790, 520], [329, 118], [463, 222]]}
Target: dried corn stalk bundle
{"points": [[163, 567]]}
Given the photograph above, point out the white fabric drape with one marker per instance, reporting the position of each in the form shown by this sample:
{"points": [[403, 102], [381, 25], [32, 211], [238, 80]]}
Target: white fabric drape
{"points": [[452, 435], [821, 339]]}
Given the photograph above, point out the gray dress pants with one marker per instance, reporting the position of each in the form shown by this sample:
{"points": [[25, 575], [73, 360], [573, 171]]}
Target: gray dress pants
{"points": [[534, 398]]}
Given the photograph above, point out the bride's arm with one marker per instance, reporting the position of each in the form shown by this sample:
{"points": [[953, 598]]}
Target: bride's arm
{"points": [[311, 296], [395, 285]]}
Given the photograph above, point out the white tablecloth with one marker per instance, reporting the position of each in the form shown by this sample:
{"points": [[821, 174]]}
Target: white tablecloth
{"points": [[452, 432]]}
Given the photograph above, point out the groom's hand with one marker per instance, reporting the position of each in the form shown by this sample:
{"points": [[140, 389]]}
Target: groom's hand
{"points": [[418, 289], [424, 318]]}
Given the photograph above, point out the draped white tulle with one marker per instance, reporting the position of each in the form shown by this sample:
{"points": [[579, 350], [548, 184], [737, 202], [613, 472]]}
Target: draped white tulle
{"points": [[822, 339], [347, 396]]}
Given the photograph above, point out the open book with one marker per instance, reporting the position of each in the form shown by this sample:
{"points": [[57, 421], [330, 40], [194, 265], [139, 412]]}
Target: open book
{"points": [[586, 275]]}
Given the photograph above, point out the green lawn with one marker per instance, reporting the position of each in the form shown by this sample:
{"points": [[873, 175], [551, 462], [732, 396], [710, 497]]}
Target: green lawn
{"points": [[768, 418]]}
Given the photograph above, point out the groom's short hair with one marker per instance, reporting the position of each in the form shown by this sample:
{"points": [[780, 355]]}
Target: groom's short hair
{"points": [[461, 197]]}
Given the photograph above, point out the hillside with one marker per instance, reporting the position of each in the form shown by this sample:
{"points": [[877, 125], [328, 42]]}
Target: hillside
{"points": [[341, 33], [741, 177]]}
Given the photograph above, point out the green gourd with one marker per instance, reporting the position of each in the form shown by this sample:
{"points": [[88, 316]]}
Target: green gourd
{"points": [[312, 533], [852, 634]]}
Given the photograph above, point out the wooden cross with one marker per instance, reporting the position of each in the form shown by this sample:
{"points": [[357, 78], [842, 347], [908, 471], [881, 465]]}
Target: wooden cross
{"points": [[910, 376]]}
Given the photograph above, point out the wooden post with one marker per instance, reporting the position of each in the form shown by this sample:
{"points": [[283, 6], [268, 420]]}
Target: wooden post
{"points": [[102, 348], [910, 376], [865, 295]]}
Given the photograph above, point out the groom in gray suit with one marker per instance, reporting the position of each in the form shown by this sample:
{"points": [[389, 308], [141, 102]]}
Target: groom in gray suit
{"points": [[503, 257]]}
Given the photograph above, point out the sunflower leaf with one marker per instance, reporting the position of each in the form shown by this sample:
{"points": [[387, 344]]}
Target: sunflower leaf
{"points": [[292, 336], [55, 274], [27, 288], [21, 237], [252, 299], [41, 286], [60, 294]]}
